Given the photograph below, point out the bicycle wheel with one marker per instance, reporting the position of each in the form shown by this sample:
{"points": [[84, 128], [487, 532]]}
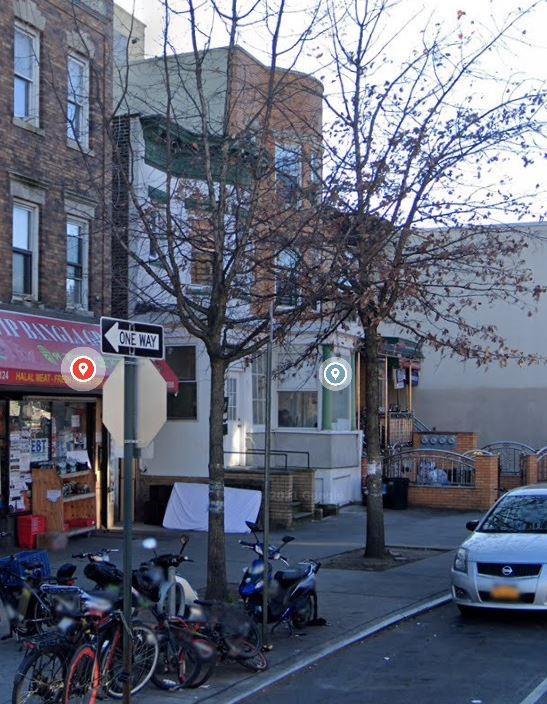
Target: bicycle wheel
{"points": [[83, 678], [242, 642], [145, 659], [40, 677], [256, 662], [205, 650], [179, 664]]}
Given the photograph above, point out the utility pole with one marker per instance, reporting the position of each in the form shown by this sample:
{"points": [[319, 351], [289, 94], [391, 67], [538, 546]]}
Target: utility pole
{"points": [[266, 512], [130, 395]]}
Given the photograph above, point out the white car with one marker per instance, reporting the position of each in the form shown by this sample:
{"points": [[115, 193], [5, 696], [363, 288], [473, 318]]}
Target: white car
{"points": [[503, 564]]}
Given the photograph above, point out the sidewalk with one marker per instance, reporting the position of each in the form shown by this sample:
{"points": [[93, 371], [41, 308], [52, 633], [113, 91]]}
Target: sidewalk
{"points": [[349, 600]]}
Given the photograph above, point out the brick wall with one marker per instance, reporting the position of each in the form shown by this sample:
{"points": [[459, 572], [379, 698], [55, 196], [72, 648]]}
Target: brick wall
{"points": [[41, 157], [480, 497], [464, 441], [530, 469], [304, 489], [120, 214]]}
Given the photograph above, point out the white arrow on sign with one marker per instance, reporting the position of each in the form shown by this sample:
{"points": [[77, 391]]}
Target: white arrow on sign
{"points": [[113, 337], [117, 338]]}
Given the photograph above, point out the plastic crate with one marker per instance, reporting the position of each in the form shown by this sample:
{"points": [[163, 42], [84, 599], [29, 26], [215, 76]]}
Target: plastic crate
{"points": [[14, 563], [28, 527], [81, 523]]}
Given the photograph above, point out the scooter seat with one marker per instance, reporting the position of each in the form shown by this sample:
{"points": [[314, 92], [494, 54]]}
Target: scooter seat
{"points": [[290, 576]]}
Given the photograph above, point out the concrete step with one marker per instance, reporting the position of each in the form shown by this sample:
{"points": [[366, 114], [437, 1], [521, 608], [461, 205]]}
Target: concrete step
{"points": [[302, 515]]}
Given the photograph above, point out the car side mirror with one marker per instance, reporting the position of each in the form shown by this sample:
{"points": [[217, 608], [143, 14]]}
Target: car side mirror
{"points": [[287, 539], [472, 525]]}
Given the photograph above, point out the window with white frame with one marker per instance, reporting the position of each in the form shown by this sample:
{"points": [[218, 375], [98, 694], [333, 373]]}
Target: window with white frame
{"points": [[78, 100], [287, 291], [25, 250], [315, 176], [259, 390], [297, 396], [157, 225], [76, 263], [288, 172], [26, 62], [183, 405], [297, 409], [231, 395]]}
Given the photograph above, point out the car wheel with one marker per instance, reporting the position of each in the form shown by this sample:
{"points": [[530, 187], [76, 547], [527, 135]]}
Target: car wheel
{"points": [[467, 611]]}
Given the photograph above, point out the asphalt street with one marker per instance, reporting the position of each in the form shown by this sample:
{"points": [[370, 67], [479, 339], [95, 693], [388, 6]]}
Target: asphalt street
{"points": [[437, 658]]}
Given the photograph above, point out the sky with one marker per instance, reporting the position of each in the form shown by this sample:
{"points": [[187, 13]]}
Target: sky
{"points": [[471, 19]]}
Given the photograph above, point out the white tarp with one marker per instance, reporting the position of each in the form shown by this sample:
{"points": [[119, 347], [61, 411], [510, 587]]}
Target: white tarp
{"points": [[188, 508]]}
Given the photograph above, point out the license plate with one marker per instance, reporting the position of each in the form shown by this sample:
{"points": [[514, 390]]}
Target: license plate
{"points": [[505, 593]]}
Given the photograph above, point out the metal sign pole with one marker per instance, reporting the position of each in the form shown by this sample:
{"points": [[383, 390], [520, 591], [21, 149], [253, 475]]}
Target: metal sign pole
{"points": [[130, 383], [266, 516]]}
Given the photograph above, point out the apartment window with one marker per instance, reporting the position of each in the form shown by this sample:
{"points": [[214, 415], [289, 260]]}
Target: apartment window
{"points": [[287, 292], [157, 227], [297, 409], [231, 395], [315, 177], [182, 360], [78, 100], [259, 390], [26, 94], [25, 250], [341, 413], [288, 172], [76, 261]]}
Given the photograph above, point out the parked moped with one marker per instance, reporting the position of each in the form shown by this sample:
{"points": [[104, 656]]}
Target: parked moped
{"points": [[292, 592]]}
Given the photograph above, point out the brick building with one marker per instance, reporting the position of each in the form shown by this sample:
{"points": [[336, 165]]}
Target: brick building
{"points": [[55, 241], [54, 170]]}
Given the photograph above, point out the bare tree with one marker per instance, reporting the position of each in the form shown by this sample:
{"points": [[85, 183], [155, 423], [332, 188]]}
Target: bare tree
{"points": [[231, 227], [418, 147]]}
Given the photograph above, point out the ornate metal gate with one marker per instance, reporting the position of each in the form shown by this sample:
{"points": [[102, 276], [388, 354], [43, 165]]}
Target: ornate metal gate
{"points": [[542, 464], [511, 454], [427, 467]]}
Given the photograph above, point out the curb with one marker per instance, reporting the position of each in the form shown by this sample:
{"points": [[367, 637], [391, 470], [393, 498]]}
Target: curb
{"points": [[235, 693]]}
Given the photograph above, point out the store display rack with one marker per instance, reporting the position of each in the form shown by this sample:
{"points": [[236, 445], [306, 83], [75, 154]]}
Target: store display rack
{"points": [[60, 511]]}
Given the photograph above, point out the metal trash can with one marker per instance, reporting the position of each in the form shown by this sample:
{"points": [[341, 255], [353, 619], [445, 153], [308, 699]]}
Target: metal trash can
{"points": [[396, 493]]}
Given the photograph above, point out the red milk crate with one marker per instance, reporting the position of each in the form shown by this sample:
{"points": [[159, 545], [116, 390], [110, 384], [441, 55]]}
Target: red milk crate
{"points": [[28, 527]]}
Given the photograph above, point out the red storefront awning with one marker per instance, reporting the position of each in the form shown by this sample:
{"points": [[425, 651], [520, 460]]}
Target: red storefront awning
{"points": [[33, 346]]}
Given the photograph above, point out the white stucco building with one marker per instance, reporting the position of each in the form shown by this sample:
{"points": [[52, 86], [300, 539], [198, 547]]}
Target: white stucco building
{"points": [[500, 403], [311, 426]]}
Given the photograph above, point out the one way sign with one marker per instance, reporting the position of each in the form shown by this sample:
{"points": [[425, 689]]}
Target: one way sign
{"points": [[131, 339]]}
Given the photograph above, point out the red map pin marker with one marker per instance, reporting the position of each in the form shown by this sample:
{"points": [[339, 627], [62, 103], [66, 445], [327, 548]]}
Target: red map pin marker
{"points": [[83, 369]]}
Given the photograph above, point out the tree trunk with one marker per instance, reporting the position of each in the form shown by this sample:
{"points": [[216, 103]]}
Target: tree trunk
{"points": [[217, 587], [375, 546]]}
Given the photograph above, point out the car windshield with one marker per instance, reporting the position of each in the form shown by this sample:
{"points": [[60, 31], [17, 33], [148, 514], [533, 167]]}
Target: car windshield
{"points": [[518, 513]]}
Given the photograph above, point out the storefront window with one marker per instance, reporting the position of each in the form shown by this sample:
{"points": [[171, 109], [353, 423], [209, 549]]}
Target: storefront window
{"points": [[297, 409], [42, 434]]}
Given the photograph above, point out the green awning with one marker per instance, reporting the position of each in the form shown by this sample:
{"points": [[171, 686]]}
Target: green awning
{"points": [[400, 347]]}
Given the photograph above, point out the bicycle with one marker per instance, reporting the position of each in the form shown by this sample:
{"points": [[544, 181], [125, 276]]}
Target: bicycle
{"points": [[27, 608], [183, 655], [97, 664], [96, 625]]}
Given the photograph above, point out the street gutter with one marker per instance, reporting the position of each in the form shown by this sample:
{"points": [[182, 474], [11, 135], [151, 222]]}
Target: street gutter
{"points": [[239, 691]]}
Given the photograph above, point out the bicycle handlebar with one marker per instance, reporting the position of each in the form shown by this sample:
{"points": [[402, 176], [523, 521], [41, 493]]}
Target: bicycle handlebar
{"points": [[97, 553]]}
